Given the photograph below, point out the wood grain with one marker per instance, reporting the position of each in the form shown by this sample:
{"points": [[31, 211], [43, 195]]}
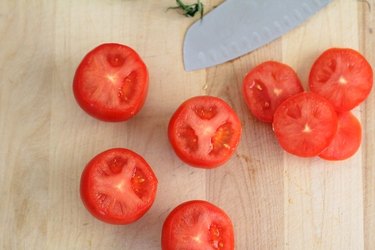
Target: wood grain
{"points": [[254, 176], [324, 200], [367, 46], [276, 201]]}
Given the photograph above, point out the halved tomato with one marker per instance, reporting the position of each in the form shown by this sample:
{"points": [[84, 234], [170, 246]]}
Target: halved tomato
{"points": [[118, 186], [347, 139], [197, 225], [267, 85], [305, 124], [343, 76], [204, 131], [111, 82]]}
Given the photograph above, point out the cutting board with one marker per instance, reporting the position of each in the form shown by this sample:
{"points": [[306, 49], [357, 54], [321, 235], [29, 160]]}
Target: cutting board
{"points": [[275, 200]]}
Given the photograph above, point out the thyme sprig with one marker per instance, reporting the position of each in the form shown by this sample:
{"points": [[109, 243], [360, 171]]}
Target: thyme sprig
{"points": [[189, 9]]}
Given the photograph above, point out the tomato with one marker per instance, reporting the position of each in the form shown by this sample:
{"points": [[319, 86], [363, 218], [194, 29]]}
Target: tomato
{"points": [[204, 131], [196, 225], [266, 86], [118, 186], [111, 83], [347, 139], [343, 76], [305, 124]]}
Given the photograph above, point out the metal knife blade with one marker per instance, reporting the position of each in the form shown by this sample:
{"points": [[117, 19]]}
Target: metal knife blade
{"points": [[237, 27]]}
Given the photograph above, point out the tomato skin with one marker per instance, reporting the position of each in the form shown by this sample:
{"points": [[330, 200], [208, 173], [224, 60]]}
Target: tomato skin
{"points": [[111, 83], [266, 86], [188, 126], [196, 225], [343, 76], [112, 192], [305, 124], [347, 139]]}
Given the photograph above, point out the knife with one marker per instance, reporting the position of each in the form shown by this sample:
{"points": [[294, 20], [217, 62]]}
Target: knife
{"points": [[237, 27]]}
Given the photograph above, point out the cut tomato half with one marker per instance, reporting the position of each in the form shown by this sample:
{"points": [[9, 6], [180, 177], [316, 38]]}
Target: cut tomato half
{"points": [[342, 76], [347, 139], [267, 85], [111, 82], [204, 131], [305, 124], [118, 186], [197, 225]]}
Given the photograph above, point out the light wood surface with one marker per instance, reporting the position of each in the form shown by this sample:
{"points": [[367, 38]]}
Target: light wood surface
{"points": [[275, 200]]}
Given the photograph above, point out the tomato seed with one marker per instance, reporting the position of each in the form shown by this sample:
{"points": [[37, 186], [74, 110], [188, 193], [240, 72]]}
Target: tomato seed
{"points": [[140, 179]]}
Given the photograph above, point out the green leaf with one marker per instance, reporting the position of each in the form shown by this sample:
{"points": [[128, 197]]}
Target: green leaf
{"points": [[189, 10]]}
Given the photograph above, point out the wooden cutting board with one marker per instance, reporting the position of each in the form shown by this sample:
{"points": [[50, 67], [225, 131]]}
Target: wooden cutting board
{"points": [[276, 201]]}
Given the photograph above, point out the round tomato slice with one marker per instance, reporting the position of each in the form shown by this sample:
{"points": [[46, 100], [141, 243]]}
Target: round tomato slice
{"points": [[305, 124], [118, 186], [347, 139], [197, 225], [343, 76], [111, 82], [204, 131], [267, 85]]}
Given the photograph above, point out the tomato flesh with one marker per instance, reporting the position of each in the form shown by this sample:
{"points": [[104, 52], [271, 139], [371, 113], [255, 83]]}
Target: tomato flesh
{"points": [[197, 225], [343, 76], [111, 83], [118, 186], [204, 131], [267, 85], [305, 124], [347, 139]]}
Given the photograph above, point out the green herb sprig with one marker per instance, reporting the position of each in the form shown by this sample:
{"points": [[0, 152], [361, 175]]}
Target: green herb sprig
{"points": [[189, 10]]}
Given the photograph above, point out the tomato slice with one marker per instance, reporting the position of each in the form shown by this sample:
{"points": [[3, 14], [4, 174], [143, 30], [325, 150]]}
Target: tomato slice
{"points": [[111, 82], [305, 124], [197, 225], [347, 139], [118, 186], [204, 131], [343, 76], [267, 85]]}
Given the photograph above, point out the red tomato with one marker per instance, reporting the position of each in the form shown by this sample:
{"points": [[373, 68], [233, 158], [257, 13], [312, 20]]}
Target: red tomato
{"points": [[268, 85], [204, 131], [197, 225], [343, 76], [347, 139], [118, 186], [305, 124], [111, 82]]}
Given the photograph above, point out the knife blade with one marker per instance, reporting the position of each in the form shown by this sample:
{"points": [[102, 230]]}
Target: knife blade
{"points": [[237, 27]]}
